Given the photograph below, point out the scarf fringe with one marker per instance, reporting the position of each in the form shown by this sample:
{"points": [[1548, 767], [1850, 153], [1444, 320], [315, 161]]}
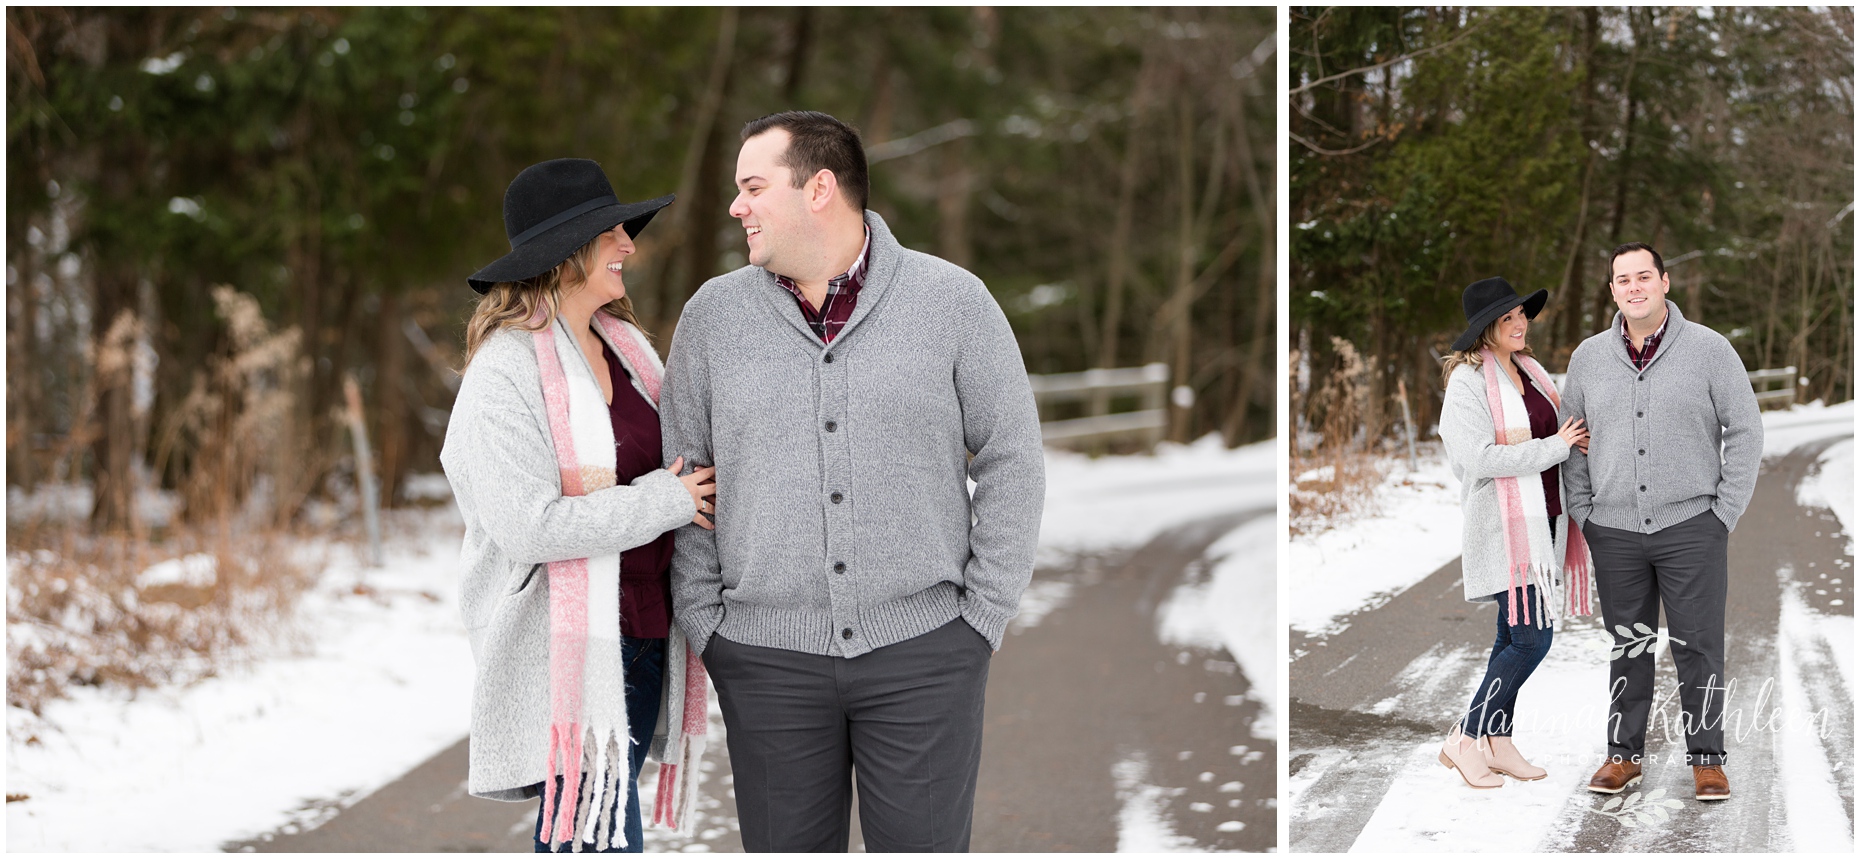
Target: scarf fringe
{"points": [[584, 806], [679, 771], [590, 757]]}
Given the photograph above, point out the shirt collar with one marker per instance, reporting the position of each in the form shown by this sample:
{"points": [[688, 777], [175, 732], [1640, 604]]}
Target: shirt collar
{"points": [[1655, 336], [856, 274]]}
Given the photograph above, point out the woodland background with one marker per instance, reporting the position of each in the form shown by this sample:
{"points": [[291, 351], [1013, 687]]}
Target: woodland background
{"points": [[214, 216], [1435, 146]]}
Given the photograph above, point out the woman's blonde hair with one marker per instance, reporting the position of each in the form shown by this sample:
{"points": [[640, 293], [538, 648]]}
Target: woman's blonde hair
{"points": [[513, 305], [1471, 357]]}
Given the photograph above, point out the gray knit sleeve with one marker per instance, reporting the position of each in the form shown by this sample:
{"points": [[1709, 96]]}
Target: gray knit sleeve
{"points": [[1001, 427], [501, 461], [1578, 488], [1735, 402], [1472, 448], [684, 422]]}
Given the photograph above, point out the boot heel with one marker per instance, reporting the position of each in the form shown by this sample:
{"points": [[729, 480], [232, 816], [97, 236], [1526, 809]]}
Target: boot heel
{"points": [[1446, 761]]}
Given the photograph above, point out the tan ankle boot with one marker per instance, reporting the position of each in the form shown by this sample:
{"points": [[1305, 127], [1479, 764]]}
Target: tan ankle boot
{"points": [[1463, 755], [1502, 756]]}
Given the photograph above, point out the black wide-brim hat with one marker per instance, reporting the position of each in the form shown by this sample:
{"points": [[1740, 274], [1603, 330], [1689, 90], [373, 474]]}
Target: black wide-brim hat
{"points": [[1487, 300], [552, 209]]}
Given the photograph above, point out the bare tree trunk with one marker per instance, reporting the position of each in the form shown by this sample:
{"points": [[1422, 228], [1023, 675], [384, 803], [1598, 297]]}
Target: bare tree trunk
{"points": [[1603, 299], [1256, 369], [801, 41], [1570, 307], [1118, 267], [658, 313], [24, 355], [1182, 332], [391, 395], [954, 186]]}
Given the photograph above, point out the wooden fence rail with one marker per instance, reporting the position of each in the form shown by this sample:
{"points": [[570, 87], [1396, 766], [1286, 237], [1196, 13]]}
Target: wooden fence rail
{"points": [[1150, 382], [1783, 396]]}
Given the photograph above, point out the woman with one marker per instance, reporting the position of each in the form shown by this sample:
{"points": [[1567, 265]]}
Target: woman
{"points": [[553, 454], [1502, 440]]}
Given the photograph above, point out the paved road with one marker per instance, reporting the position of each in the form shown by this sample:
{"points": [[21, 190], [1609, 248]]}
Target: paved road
{"points": [[1090, 721], [1364, 698]]}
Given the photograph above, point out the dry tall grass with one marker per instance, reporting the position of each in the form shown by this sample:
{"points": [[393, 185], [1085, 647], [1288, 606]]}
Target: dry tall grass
{"points": [[163, 603], [134, 613], [1338, 469]]}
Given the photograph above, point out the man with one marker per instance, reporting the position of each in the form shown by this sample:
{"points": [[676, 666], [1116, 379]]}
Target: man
{"points": [[850, 598], [1657, 504]]}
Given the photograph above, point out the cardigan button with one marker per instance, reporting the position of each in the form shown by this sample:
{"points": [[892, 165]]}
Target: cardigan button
{"points": [[1640, 414], [846, 633], [1643, 489], [831, 426], [1650, 521], [839, 566], [1643, 453], [836, 497], [828, 358]]}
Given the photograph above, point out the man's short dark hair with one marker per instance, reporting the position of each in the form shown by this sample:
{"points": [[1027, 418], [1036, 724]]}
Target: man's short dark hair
{"points": [[1659, 265], [819, 142]]}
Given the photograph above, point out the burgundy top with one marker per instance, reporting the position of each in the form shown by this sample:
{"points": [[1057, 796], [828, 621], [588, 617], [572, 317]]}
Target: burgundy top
{"points": [[1640, 357], [842, 295], [645, 571], [1543, 425]]}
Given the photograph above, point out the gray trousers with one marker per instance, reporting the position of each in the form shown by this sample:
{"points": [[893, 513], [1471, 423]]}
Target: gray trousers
{"points": [[1684, 567], [907, 717]]}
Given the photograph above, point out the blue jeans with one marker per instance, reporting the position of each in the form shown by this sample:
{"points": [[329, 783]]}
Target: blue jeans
{"points": [[1515, 655], [644, 659]]}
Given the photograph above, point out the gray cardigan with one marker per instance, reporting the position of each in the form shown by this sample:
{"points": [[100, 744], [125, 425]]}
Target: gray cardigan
{"points": [[500, 460], [1656, 435], [1477, 460], [843, 518]]}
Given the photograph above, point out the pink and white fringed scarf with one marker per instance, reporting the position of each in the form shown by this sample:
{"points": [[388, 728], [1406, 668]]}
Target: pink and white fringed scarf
{"points": [[588, 733], [1563, 590]]}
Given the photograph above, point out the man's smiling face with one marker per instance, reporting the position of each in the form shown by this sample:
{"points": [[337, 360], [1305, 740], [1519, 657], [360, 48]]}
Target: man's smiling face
{"points": [[1639, 288], [772, 210]]}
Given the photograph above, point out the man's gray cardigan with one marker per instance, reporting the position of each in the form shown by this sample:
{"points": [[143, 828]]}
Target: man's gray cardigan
{"points": [[1655, 435], [843, 518]]}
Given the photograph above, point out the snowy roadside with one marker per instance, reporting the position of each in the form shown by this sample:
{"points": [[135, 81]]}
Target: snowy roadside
{"points": [[1363, 564], [382, 679], [381, 682], [1123, 502]]}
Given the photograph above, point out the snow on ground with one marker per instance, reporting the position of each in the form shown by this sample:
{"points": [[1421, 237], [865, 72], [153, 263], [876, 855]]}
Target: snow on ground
{"points": [[1363, 563], [1123, 501], [381, 682], [1235, 609], [1428, 807], [1785, 430], [1832, 486], [1822, 646], [1143, 826]]}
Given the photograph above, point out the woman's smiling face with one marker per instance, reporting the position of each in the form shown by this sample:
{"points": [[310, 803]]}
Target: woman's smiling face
{"points": [[1508, 332]]}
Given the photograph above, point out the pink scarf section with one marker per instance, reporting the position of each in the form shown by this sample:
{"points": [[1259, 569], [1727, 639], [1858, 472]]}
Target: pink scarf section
{"points": [[568, 598], [1577, 596]]}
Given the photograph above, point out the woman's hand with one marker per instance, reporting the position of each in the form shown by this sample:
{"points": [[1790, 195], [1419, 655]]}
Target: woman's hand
{"points": [[1575, 434], [702, 484]]}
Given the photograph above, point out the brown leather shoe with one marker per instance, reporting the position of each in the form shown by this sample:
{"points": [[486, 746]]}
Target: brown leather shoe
{"points": [[1709, 783], [1615, 776]]}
